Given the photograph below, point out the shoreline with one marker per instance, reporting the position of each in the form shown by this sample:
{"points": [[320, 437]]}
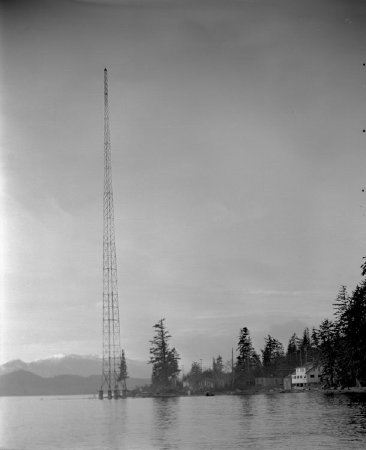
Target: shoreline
{"points": [[328, 392], [345, 391]]}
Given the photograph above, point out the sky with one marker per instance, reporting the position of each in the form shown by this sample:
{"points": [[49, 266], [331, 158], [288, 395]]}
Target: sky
{"points": [[238, 167]]}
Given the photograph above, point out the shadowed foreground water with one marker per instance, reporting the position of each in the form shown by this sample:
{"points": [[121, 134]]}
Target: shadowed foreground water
{"points": [[303, 420]]}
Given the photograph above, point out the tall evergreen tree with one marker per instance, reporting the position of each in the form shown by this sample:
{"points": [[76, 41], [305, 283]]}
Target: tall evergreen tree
{"points": [[341, 303], [315, 346], [273, 357], [218, 366], [305, 346], [351, 324], [123, 375], [163, 359], [328, 339], [248, 363], [195, 375], [292, 359], [342, 343], [245, 349], [255, 365]]}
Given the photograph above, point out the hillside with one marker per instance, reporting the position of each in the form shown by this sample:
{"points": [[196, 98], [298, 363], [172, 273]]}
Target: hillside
{"points": [[22, 382], [83, 366]]}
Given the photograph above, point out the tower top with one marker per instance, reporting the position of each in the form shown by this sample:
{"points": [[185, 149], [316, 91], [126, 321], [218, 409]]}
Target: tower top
{"points": [[105, 69]]}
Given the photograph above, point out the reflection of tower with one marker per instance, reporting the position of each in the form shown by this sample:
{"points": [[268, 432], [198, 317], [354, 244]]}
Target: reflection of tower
{"points": [[111, 329]]}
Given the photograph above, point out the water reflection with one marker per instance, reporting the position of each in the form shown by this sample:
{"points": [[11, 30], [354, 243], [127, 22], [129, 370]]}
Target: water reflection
{"points": [[302, 421], [165, 411], [356, 421], [343, 417], [247, 406]]}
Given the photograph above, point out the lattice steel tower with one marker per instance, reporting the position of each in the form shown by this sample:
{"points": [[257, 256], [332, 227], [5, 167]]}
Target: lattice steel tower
{"points": [[111, 327]]}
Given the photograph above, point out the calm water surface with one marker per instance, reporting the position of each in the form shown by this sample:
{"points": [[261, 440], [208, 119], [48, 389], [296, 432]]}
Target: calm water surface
{"points": [[303, 420]]}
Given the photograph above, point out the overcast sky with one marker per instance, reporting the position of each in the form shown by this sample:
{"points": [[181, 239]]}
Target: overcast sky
{"points": [[238, 168]]}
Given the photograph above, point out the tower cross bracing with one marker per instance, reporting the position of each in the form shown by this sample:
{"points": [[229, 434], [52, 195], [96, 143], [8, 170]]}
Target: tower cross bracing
{"points": [[111, 326]]}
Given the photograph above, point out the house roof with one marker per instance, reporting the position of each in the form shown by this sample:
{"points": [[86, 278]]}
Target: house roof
{"points": [[307, 367]]}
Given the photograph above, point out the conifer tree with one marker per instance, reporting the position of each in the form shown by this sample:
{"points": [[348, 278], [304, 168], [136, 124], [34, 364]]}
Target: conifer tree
{"points": [[245, 349], [273, 357], [305, 346], [163, 359], [351, 325], [195, 375], [315, 345], [218, 366], [123, 375], [328, 339], [291, 354], [248, 362]]}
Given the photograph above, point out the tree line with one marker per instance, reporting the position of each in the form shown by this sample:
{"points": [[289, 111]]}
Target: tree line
{"points": [[338, 346]]}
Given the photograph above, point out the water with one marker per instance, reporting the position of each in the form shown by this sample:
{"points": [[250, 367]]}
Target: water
{"points": [[303, 420]]}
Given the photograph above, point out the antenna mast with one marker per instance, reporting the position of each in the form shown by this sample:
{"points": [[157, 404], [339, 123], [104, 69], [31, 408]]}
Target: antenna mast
{"points": [[111, 328]]}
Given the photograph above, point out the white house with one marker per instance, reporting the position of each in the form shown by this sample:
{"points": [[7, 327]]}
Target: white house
{"points": [[305, 376], [299, 379]]}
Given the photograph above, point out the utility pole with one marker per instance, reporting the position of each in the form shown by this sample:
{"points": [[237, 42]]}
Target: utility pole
{"points": [[298, 344], [111, 328], [232, 366]]}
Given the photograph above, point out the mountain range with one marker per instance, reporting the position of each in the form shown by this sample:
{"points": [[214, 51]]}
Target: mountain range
{"points": [[63, 375], [22, 382], [81, 365]]}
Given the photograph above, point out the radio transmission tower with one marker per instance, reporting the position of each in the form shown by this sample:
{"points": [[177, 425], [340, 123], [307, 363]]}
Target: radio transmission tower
{"points": [[111, 328]]}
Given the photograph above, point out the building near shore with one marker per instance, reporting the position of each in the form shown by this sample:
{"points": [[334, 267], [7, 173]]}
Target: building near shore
{"points": [[306, 376], [269, 381], [287, 383]]}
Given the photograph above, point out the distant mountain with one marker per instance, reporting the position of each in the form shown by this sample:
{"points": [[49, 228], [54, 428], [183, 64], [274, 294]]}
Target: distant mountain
{"points": [[22, 382], [83, 366], [12, 366]]}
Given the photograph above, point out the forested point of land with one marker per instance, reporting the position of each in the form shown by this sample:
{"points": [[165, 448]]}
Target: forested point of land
{"points": [[337, 347]]}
